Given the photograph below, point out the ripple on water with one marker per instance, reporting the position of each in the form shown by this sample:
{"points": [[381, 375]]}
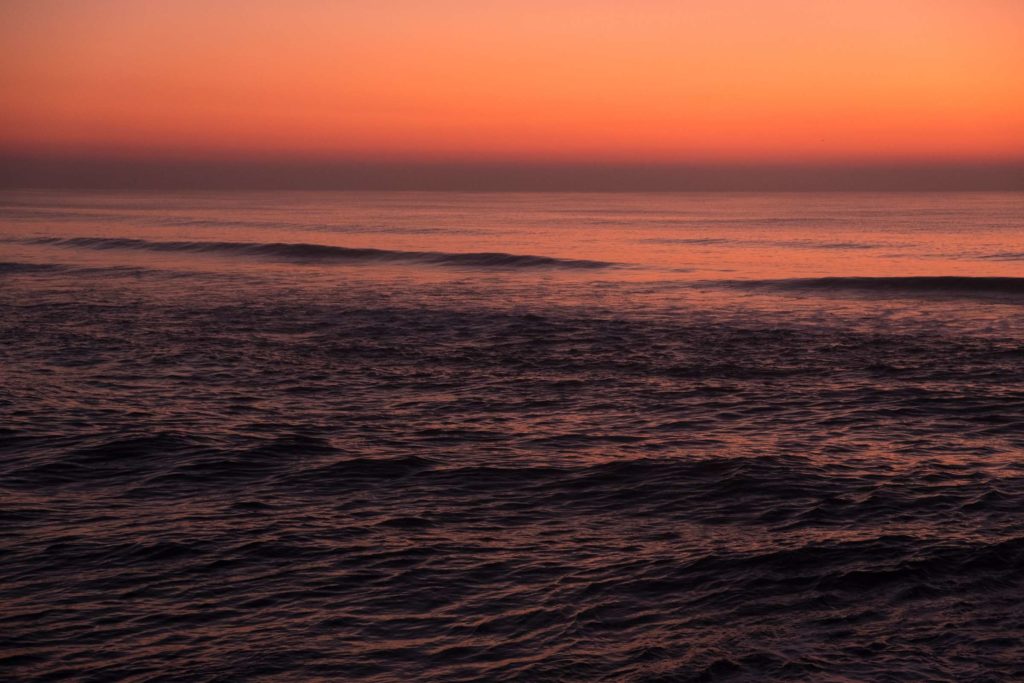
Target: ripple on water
{"points": [[324, 484]]}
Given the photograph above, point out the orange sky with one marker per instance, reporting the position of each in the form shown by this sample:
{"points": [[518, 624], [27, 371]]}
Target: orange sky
{"points": [[650, 80]]}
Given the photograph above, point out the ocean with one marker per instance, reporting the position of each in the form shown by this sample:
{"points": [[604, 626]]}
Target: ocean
{"points": [[511, 437]]}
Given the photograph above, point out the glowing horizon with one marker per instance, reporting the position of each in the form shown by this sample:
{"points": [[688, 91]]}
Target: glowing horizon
{"points": [[730, 82]]}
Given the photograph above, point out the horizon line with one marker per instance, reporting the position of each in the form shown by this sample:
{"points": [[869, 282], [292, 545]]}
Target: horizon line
{"points": [[84, 172]]}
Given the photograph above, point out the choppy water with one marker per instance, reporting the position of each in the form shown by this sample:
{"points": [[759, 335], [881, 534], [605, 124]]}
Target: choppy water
{"points": [[512, 437]]}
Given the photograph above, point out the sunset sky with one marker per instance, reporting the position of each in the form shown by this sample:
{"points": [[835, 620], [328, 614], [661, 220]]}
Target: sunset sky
{"points": [[730, 81]]}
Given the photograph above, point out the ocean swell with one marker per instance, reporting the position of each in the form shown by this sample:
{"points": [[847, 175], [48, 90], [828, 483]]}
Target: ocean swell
{"points": [[321, 253], [941, 285]]}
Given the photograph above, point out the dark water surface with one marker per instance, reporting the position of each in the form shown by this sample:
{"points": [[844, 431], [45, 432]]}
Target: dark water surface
{"points": [[543, 437]]}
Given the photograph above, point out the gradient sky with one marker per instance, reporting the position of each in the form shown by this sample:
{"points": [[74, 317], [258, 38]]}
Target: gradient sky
{"points": [[650, 81]]}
